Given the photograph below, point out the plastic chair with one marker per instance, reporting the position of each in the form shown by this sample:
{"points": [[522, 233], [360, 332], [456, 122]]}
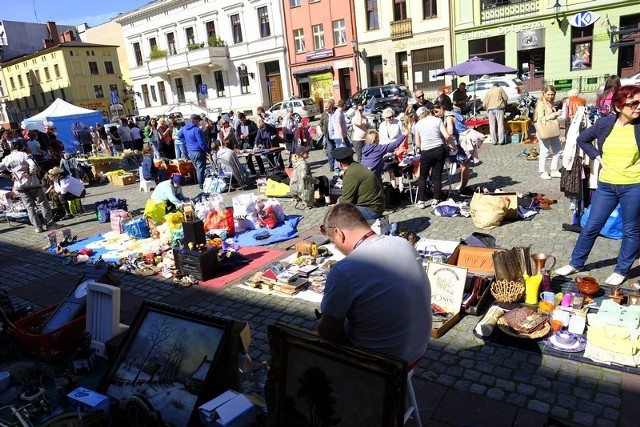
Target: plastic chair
{"points": [[413, 404], [145, 185], [224, 170]]}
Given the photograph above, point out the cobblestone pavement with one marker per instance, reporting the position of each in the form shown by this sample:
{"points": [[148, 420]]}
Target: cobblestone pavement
{"points": [[458, 369]]}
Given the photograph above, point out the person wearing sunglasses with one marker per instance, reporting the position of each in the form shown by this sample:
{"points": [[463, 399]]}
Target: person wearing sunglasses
{"points": [[421, 101], [618, 154], [373, 300]]}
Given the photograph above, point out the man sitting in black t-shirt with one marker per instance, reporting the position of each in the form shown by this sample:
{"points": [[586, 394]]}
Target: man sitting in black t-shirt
{"points": [[421, 101]]}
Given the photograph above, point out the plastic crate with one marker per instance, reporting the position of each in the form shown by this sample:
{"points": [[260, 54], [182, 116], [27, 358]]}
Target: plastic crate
{"points": [[50, 347]]}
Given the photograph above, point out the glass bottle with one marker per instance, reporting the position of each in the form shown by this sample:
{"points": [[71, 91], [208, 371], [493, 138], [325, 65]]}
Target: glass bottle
{"points": [[262, 376], [245, 369], [546, 280]]}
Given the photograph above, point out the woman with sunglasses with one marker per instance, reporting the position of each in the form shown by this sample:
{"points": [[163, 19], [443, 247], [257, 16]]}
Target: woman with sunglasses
{"points": [[618, 153]]}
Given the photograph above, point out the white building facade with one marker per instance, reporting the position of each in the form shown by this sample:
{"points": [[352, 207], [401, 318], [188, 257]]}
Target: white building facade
{"points": [[206, 56]]}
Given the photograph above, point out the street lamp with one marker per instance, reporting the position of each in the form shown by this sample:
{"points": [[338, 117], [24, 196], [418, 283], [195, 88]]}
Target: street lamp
{"points": [[243, 68], [556, 9]]}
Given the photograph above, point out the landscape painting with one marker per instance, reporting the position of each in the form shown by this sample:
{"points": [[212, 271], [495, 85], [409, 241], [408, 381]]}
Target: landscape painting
{"points": [[167, 359]]}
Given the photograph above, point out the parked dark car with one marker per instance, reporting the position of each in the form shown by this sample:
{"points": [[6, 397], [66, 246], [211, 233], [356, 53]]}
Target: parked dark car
{"points": [[394, 96]]}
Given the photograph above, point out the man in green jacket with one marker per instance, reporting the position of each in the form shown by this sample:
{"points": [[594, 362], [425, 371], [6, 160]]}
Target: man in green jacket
{"points": [[359, 185]]}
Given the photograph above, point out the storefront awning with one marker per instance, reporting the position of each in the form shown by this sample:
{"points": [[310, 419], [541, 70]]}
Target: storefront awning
{"points": [[313, 70]]}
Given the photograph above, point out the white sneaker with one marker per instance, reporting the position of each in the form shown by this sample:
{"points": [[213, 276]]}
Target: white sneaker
{"points": [[420, 205], [615, 279], [545, 175], [556, 174], [566, 270]]}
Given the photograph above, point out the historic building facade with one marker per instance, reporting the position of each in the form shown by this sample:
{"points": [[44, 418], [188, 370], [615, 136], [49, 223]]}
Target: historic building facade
{"points": [[321, 41], [206, 56], [403, 41], [569, 43]]}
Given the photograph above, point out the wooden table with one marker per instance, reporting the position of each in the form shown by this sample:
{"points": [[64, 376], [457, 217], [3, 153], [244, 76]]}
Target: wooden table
{"points": [[518, 126], [184, 168]]}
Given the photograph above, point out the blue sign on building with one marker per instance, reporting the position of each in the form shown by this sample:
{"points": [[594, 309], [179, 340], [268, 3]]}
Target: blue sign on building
{"points": [[114, 97], [203, 89]]}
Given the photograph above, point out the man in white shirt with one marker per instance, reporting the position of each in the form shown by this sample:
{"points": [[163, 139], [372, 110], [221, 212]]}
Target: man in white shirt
{"points": [[68, 188], [125, 134], [338, 130]]}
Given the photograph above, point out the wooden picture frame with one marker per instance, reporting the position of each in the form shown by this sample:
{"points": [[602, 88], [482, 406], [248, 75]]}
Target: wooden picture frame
{"points": [[168, 357], [313, 381]]}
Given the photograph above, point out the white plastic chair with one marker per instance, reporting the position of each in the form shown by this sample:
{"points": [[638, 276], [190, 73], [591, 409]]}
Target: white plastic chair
{"points": [[145, 185]]}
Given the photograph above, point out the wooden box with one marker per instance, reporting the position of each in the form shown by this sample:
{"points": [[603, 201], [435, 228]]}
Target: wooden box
{"points": [[126, 179], [478, 261], [447, 288]]}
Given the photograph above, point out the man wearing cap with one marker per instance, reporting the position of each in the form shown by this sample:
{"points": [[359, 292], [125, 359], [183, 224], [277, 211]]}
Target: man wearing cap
{"points": [[196, 146], [359, 185], [24, 172], [170, 192], [67, 187]]}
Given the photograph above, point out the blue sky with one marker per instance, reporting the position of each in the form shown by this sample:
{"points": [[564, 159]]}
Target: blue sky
{"points": [[67, 12]]}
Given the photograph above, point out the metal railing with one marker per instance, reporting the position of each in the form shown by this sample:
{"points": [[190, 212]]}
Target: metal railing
{"points": [[585, 84], [401, 28], [503, 11]]}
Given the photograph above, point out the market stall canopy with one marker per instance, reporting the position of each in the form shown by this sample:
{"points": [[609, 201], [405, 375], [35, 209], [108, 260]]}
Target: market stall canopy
{"points": [[477, 67], [66, 118]]}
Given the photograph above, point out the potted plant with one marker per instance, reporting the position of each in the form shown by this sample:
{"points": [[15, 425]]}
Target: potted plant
{"points": [[215, 41], [157, 53]]}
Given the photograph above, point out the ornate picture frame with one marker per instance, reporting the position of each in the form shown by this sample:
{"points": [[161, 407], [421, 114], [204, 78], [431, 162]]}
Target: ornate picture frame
{"points": [[167, 359], [313, 381]]}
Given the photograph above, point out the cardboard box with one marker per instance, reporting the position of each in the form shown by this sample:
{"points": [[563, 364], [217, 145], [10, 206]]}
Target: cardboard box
{"points": [[126, 179], [478, 261], [88, 400], [447, 288], [230, 409], [100, 168]]}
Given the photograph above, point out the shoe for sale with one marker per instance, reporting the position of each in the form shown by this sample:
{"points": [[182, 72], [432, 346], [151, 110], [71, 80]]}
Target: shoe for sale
{"points": [[615, 279], [566, 270], [545, 175], [556, 174], [420, 205]]}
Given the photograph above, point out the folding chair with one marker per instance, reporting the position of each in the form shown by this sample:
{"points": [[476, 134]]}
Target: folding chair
{"points": [[224, 170]]}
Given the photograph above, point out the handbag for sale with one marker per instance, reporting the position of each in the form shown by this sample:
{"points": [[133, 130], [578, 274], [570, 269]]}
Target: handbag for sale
{"points": [[488, 211], [137, 228]]}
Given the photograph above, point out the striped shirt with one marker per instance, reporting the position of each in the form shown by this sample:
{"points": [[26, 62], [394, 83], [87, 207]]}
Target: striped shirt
{"points": [[620, 157]]}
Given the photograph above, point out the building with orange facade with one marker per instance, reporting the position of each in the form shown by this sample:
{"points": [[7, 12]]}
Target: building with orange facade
{"points": [[321, 48]]}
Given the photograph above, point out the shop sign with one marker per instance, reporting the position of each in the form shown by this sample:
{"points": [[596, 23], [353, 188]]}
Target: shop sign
{"points": [[583, 19], [499, 31], [320, 54], [562, 85], [532, 39], [92, 105], [345, 63], [426, 41]]}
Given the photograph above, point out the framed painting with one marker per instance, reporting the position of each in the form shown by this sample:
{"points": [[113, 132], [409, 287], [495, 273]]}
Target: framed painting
{"points": [[167, 359], [315, 382]]}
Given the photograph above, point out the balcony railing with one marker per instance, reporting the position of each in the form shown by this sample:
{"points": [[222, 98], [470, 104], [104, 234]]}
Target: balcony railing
{"points": [[401, 28], [495, 11]]}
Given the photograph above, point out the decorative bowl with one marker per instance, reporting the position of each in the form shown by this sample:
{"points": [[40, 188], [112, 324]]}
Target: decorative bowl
{"points": [[588, 288], [565, 338]]}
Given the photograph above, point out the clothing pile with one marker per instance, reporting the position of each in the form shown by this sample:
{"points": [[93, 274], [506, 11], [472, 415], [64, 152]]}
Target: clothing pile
{"points": [[614, 334]]}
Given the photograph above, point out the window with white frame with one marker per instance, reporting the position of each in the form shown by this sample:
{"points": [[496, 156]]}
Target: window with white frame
{"points": [[429, 8], [263, 19], [373, 23], [171, 43], [191, 38], [163, 93], [339, 33], [298, 38], [97, 90], [318, 36], [295, 3], [236, 28]]}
